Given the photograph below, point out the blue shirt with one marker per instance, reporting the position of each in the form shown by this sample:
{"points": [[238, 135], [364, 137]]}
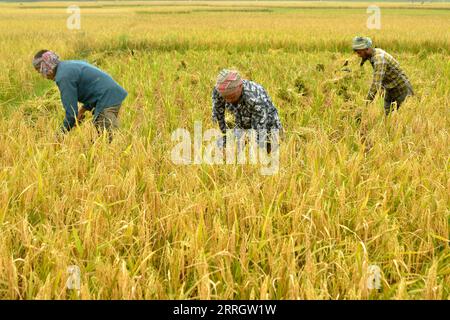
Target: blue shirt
{"points": [[78, 81]]}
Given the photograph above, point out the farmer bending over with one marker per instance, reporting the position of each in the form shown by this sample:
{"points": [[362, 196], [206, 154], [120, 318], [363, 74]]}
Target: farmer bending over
{"points": [[250, 104], [387, 74], [78, 81]]}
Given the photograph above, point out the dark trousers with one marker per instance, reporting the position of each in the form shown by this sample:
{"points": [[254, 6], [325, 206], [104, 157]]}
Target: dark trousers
{"points": [[107, 120], [394, 98]]}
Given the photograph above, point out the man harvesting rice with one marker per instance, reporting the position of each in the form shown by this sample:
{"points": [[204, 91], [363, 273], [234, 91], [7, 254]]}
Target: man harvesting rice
{"points": [[387, 74], [250, 104], [78, 81]]}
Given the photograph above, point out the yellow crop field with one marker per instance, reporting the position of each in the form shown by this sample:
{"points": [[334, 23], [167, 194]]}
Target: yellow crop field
{"points": [[347, 195]]}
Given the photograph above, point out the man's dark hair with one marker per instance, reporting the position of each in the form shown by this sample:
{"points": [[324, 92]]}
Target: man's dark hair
{"points": [[40, 53]]}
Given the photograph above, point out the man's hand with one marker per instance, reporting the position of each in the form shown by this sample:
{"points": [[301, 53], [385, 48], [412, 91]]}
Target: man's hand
{"points": [[59, 136], [358, 117], [367, 101], [221, 142], [81, 115]]}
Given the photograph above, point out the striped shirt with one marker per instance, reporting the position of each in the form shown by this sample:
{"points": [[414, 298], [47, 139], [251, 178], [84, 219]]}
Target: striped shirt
{"points": [[387, 74]]}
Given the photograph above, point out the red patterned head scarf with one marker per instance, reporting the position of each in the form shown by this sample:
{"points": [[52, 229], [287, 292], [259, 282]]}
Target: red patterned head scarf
{"points": [[228, 82], [46, 63]]}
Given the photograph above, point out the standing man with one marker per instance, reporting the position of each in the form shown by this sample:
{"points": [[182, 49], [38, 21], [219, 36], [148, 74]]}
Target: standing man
{"points": [[387, 74], [78, 81], [250, 104]]}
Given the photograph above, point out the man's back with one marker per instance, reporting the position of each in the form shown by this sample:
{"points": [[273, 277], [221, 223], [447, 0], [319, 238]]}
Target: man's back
{"points": [[387, 69], [92, 87]]}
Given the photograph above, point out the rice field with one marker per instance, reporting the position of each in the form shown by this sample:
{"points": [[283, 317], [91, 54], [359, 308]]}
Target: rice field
{"points": [[347, 195]]}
